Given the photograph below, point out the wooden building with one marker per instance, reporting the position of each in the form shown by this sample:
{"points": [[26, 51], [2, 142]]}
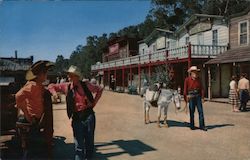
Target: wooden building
{"points": [[13, 69], [234, 61], [201, 38]]}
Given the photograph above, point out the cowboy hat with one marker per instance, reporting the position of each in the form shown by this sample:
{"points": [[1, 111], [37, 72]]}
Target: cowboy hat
{"points": [[38, 67], [74, 70], [193, 68]]}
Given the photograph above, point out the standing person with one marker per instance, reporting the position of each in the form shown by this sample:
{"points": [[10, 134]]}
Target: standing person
{"points": [[243, 87], [80, 104], [35, 101], [112, 82], [233, 94], [194, 94]]}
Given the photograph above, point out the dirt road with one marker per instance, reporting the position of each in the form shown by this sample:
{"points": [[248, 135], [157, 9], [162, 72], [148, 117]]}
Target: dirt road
{"points": [[122, 135]]}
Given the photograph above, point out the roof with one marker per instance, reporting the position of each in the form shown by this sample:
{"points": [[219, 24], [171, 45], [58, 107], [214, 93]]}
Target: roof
{"points": [[195, 17], [154, 34], [241, 54], [8, 65], [244, 12]]}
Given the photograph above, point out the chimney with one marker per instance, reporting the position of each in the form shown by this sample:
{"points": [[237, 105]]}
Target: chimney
{"points": [[15, 54]]}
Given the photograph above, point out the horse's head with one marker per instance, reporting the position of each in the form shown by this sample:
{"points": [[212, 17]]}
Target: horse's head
{"points": [[176, 99]]}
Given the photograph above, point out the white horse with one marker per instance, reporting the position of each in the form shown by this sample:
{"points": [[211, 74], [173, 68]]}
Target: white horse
{"points": [[166, 96]]}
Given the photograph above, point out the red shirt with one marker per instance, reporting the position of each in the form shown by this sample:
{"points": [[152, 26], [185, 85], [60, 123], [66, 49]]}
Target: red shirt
{"points": [[30, 100], [79, 95], [191, 84]]}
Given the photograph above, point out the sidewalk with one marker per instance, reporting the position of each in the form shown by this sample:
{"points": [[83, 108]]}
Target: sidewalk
{"points": [[224, 100]]}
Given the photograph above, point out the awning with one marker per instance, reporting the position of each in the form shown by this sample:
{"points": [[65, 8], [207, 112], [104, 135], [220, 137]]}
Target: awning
{"points": [[241, 54]]}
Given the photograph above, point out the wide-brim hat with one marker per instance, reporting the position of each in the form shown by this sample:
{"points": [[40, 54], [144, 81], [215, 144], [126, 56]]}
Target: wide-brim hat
{"points": [[193, 68], [74, 70], [38, 67]]}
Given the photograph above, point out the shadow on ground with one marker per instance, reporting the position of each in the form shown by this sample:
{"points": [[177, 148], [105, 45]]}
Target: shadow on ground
{"points": [[119, 147], [11, 149]]}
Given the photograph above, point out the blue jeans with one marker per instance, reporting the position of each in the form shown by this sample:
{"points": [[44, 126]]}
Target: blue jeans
{"points": [[84, 137], [196, 101], [244, 96]]}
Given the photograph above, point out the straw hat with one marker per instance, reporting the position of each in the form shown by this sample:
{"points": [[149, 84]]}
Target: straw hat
{"points": [[193, 68], [38, 67], [74, 70]]}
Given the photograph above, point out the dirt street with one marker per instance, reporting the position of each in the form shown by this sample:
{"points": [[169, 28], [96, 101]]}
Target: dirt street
{"points": [[122, 135]]}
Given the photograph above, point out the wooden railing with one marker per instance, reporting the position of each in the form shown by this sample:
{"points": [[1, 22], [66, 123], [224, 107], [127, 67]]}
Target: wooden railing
{"points": [[162, 55]]}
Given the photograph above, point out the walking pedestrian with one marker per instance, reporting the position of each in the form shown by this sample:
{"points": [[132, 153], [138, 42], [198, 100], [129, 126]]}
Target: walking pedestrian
{"points": [[80, 103], [233, 94], [194, 94], [243, 87]]}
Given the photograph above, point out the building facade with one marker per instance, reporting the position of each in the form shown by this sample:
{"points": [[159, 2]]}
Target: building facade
{"points": [[234, 61], [201, 38], [13, 69]]}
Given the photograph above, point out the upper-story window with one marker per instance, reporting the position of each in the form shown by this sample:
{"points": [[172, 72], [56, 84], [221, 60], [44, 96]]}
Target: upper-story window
{"points": [[154, 48], [243, 33], [215, 37], [168, 44], [143, 51], [200, 39], [187, 40]]}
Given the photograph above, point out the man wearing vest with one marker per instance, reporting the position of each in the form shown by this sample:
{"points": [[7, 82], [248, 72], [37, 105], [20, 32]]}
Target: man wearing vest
{"points": [[194, 94], [80, 104]]}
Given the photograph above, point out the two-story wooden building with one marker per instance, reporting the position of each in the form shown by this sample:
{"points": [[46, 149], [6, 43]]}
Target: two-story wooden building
{"points": [[234, 61], [201, 38], [119, 48]]}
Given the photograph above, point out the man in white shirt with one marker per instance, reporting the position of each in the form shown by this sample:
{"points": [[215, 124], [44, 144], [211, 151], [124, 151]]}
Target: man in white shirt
{"points": [[243, 86]]}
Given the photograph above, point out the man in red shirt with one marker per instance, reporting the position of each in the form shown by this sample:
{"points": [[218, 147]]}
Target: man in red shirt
{"points": [[80, 104], [194, 94], [35, 101]]}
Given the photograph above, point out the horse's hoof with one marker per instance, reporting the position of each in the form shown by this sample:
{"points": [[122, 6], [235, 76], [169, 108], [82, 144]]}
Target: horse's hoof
{"points": [[159, 126], [166, 126]]}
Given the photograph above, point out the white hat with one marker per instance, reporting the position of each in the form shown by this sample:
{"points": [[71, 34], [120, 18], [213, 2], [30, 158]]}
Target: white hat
{"points": [[193, 68], [74, 70]]}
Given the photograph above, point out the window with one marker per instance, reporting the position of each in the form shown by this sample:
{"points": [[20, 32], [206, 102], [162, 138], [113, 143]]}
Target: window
{"points": [[215, 37], [154, 48], [243, 33], [168, 44], [143, 50], [187, 40], [200, 39]]}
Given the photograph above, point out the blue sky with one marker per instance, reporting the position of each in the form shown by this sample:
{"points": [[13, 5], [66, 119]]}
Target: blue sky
{"points": [[46, 29]]}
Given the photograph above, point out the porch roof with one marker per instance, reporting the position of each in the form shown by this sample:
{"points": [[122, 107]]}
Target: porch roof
{"points": [[241, 54]]}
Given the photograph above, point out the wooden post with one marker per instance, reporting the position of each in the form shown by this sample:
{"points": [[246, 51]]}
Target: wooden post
{"points": [[149, 67], [189, 55], [139, 76], [123, 77], [109, 78], [209, 84], [130, 76]]}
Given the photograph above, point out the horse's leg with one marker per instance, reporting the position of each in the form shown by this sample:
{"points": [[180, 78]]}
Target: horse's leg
{"points": [[144, 109], [148, 105], [165, 115], [159, 116]]}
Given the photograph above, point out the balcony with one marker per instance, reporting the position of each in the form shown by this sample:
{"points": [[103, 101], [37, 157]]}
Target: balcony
{"points": [[197, 51]]}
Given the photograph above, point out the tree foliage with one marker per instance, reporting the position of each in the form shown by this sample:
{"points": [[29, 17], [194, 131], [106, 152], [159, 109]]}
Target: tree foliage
{"points": [[167, 14]]}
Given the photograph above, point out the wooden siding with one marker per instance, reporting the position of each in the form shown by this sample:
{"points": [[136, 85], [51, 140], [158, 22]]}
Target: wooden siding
{"points": [[234, 35]]}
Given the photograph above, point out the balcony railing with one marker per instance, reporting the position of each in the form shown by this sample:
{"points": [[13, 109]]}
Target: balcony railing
{"points": [[197, 51]]}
